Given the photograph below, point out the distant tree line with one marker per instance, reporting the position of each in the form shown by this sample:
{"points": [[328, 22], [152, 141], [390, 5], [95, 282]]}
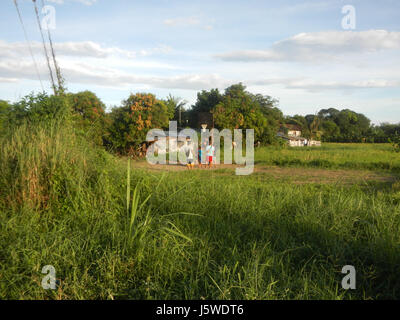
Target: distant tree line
{"points": [[124, 128]]}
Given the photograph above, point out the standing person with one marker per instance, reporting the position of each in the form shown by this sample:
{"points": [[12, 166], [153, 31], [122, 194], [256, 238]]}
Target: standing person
{"points": [[189, 153], [210, 154], [200, 154]]}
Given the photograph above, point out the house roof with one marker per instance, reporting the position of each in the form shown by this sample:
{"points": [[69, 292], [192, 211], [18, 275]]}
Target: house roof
{"points": [[281, 135], [293, 127]]}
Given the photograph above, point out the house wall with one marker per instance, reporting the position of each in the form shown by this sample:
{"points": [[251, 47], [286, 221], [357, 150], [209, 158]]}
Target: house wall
{"points": [[315, 143], [296, 143], [294, 133]]}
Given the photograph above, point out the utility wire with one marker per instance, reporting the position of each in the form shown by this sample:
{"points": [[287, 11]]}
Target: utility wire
{"points": [[57, 68], [44, 47], [29, 44]]}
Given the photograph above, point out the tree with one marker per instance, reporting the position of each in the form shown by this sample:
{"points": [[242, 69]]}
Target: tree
{"points": [[240, 109], [131, 122], [314, 125], [395, 141], [300, 121], [331, 131], [344, 125], [206, 102], [4, 109], [89, 114], [176, 110], [39, 108], [235, 109]]}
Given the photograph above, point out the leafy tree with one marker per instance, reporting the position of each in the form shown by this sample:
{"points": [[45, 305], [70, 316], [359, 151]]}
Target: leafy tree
{"points": [[300, 121], [350, 126], [330, 113], [395, 141], [314, 125], [240, 109], [176, 110], [131, 122], [386, 130], [35, 108], [331, 131], [4, 110], [268, 107], [89, 114], [206, 102], [273, 116]]}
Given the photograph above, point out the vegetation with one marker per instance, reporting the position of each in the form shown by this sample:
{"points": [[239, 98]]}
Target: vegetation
{"points": [[117, 233], [239, 109], [114, 229], [177, 111], [89, 115], [131, 122], [4, 109], [333, 156], [395, 140]]}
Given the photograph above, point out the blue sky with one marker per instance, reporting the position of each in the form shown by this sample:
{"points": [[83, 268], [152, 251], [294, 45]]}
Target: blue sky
{"points": [[295, 51]]}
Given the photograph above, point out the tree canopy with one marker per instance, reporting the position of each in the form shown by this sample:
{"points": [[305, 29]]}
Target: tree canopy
{"points": [[131, 122], [126, 126]]}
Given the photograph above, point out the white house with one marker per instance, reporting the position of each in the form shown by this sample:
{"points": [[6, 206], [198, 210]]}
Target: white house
{"points": [[294, 138], [293, 130]]}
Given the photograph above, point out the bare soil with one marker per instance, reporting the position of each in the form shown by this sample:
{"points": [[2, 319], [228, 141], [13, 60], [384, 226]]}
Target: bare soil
{"points": [[295, 175]]}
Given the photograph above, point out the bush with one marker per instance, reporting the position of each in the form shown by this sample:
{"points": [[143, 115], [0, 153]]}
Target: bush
{"points": [[395, 141], [38, 109], [130, 123], [49, 164]]}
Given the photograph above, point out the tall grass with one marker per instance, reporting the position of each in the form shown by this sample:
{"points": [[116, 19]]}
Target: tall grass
{"points": [[333, 155], [113, 231]]}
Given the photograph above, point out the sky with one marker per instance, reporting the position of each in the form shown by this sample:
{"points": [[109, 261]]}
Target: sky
{"points": [[307, 54]]}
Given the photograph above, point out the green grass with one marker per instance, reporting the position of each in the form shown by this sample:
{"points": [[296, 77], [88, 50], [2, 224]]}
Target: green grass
{"points": [[114, 231], [333, 155]]}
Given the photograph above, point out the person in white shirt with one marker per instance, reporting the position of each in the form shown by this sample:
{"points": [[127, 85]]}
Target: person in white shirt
{"points": [[189, 153]]}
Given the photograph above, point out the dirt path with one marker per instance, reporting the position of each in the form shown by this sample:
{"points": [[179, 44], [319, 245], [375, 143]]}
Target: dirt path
{"points": [[295, 175]]}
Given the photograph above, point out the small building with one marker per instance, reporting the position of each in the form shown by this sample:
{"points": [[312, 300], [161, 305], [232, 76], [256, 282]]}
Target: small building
{"points": [[293, 130], [297, 141], [167, 143], [314, 143]]}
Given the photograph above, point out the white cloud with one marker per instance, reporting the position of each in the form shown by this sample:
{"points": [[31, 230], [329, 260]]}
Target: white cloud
{"points": [[92, 73], [321, 46], [313, 85], [85, 2], [95, 74], [90, 63], [8, 79], [78, 49], [89, 74], [56, 1], [190, 21]]}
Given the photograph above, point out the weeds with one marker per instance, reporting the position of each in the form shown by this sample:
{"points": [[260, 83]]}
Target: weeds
{"points": [[113, 231]]}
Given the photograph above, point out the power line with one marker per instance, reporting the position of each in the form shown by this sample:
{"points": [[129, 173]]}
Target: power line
{"points": [[44, 47], [57, 68], [29, 43]]}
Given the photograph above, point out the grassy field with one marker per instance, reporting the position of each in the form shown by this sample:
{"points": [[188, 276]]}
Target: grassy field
{"points": [[114, 230]]}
